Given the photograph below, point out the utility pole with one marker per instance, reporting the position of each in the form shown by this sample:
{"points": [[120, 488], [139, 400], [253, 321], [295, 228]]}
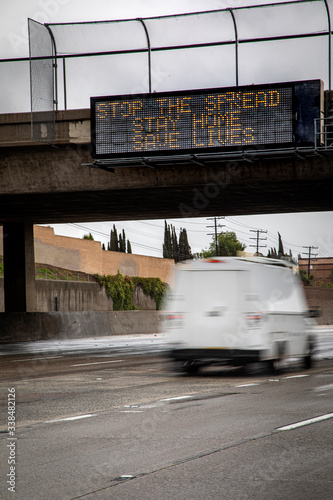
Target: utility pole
{"points": [[309, 256], [216, 225], [258, 239]]}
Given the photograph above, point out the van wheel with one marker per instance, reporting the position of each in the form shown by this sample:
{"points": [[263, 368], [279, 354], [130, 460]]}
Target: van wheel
{"points": [[178, 366], [308, 363], [185, 367], [191, 369], [308, 358], [273, 367]]}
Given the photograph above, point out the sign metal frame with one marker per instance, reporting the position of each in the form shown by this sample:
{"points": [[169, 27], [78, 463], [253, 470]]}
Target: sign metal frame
{"points": [[224, 113]]}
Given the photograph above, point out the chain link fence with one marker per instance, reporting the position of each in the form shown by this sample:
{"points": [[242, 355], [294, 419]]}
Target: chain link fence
{"points": [[241, 45], [42, 82]]}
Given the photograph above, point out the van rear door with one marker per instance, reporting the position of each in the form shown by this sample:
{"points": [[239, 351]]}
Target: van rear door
{"points": [[215, 303]]}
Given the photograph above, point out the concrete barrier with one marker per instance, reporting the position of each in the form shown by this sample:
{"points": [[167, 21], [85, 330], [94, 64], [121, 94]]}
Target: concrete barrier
{"points": [[129, 322], [70, 296], [21, 327]]}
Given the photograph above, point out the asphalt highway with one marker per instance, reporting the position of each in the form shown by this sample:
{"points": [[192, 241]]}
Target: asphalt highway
{"points": [[109, 419]]}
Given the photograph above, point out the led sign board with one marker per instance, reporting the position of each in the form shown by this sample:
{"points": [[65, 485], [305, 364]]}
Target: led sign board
{"points": [[209, 120]]}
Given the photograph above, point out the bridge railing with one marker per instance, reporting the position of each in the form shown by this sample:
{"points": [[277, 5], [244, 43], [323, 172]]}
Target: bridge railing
{"points": [[324, 133], [192, 50], [239, 45]]}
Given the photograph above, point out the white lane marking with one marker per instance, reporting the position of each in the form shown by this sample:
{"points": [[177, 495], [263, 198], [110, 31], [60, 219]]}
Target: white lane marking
{"points": [[67, 419], [33, 359], [324, 387], [297, 376], [175, 398], [141, 408], [100, 362], [305, 422], [131, 411], [247, 385]]}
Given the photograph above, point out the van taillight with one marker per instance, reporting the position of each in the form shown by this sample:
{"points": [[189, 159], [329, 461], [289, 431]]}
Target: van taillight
{"points": [[254, 317], [215, 261], [253, 320], [175, 316], [175, 320]]}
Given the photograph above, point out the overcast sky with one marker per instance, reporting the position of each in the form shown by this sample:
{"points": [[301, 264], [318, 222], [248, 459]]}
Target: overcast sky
{"points": [[297, 230]]}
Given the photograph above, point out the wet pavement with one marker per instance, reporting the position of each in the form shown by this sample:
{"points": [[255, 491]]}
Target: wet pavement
{"points": [[132, 345], [98, 346]]}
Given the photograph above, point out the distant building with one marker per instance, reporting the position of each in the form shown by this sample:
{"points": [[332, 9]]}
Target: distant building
{"points": [[321, 268]]}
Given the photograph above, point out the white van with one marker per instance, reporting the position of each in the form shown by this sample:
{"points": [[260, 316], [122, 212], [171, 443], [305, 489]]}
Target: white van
{"points": [[237, 310]]}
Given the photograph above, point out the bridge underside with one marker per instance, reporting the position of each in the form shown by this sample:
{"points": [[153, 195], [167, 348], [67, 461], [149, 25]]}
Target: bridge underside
{"points": [[41, 185], [163, 203], [47, 185]]}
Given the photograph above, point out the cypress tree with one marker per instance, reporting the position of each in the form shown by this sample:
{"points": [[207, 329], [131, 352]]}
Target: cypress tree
{"points": [[167, 247], [123, 245], [184, 246], [113, 240], [174, 248], [272, 254], [281, 250], [181, 246], [120, 244], [174, 244]]}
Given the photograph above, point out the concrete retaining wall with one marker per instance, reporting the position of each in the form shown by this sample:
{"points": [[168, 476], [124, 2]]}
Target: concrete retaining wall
{"points": [[84, 311], [130, 322], [20, 327], [24, 327], [70, 296]]}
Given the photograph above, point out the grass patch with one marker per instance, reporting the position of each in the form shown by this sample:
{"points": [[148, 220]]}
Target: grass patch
{"points": [[45, 271]]}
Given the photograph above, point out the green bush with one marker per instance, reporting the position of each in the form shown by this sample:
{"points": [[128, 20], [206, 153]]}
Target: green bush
{"points": [[120, 288], [153, 287]]}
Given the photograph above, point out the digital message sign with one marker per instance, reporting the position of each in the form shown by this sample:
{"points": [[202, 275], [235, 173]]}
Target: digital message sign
{"points": [[208, 120]]}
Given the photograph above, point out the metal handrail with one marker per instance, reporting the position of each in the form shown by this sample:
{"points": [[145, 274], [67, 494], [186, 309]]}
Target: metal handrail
{"points": [[324, 133], [236, 42], [149, 49]]}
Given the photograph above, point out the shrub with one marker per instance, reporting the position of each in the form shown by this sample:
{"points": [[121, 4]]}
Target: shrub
{"points": [[120, 288]]}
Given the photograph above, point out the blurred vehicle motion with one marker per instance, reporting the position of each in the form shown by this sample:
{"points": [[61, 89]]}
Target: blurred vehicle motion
{"points": [[237, 311]]}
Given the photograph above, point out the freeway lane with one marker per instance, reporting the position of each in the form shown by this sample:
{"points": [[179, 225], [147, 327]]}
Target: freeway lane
{"points": [[31, 359], [131, 429], [130, 344]]}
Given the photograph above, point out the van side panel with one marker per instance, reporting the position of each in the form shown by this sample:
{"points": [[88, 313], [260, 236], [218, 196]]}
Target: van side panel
{"points": [[237, 310], [283, 303]]}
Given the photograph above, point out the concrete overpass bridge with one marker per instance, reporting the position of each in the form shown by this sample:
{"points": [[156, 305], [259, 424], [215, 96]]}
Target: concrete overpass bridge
{"points": [[42, 184]]}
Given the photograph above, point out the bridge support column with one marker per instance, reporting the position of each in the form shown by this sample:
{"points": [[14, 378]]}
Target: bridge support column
{"points": [[19, 267]]}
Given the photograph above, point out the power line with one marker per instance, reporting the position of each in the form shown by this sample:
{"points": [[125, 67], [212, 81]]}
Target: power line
{"points": [[107, 235]]}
